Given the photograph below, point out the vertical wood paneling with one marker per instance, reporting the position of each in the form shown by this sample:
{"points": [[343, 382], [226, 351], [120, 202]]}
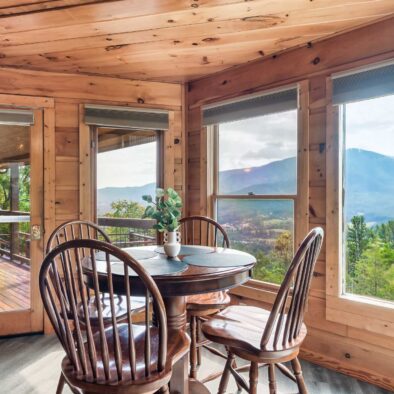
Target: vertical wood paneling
{"points": [[335, 345]]}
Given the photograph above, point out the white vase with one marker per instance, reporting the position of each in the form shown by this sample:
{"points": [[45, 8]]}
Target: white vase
{"points": [[172, 243]]}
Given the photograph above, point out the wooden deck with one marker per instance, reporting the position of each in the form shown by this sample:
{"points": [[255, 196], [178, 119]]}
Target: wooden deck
{"points": [[14, 286]]}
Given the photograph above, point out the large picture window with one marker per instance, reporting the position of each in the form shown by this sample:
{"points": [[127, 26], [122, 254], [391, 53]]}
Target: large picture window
{"points": [[368, 204], [255, 188]]}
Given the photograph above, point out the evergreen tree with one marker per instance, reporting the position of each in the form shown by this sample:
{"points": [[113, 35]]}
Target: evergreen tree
{"points": [[357, 237]]}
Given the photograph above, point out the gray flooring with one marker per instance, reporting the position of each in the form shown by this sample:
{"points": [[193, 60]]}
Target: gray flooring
{"points": [[31, 365]]}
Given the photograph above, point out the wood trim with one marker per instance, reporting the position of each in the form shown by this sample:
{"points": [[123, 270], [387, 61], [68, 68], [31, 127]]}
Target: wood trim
{"points": [[36, 216], [49, 185], [61, 85], [27, 101], [85, 169], [326, 56], [168, 151], [301, 208]]}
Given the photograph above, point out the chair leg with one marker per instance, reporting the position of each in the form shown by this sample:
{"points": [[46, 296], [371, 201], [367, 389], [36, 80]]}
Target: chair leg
{"points": [[272, 378], [253, 377], [198, 339], [165, 390], [298, 375], [226, 374], [193, 347], [60, 385]]}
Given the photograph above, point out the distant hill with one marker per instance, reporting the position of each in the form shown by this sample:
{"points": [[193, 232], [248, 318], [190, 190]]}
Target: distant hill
{"points": [[107, 195], [371, 192]]}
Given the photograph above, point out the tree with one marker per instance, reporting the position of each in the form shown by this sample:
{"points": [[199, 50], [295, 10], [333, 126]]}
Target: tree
{"points": [[358, 237], [125, 209], [374, 272]]}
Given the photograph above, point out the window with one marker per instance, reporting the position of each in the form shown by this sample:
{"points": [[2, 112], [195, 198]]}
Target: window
{"points": [[125, 155], [127, 163], [368, 204], [359, 248], [255, 188]]}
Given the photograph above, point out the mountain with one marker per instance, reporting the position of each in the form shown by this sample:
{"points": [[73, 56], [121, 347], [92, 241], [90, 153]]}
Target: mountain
{"points": [[277, 177], [370, 192], [371, 189], [107, 195]]}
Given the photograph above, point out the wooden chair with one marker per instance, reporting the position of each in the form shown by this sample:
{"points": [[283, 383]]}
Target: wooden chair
{"points": [[122, 357], [269, 338], [201, 230], [82, 229]]}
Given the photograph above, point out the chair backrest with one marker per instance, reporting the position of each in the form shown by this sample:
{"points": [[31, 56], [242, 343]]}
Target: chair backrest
{"points": [[201, 230], [76, 229], [287, 315], [101, 358]]}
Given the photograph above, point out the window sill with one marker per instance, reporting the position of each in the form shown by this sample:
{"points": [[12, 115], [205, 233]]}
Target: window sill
{"points": [[257, 290], [362, 313]]}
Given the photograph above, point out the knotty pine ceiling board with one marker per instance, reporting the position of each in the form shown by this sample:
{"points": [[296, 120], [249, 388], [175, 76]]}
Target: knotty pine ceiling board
{"points": [[168, 40]]}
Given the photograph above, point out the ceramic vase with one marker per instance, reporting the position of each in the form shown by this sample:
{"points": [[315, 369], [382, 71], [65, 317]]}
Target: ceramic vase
{"points": [[172, 243]]}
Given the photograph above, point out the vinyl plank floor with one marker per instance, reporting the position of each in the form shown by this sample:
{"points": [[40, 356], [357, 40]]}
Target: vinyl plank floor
{"points": [[31, 365]]}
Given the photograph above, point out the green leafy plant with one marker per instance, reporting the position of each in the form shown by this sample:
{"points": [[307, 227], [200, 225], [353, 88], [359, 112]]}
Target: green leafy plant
{"points": [[165, 208]]}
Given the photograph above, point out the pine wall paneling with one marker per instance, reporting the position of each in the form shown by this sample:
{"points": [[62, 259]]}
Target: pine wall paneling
{"points": [[355, 351]]}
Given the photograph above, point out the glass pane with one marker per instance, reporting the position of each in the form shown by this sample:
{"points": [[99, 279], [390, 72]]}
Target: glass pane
{"points": [[259, 155], [14, 218], [126, 170], [264, 228], [369, 203]]}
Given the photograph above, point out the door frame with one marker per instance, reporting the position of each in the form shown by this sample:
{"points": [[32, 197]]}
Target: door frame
{"points": [[42, 185]]}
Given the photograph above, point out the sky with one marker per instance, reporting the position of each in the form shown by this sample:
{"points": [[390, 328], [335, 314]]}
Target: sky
{"points": [[370, 125], [133, 166], [255, 142]]}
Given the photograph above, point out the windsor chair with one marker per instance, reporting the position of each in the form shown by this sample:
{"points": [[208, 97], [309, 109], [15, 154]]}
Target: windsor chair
{"points": [[204, 231], [270, 338], [82, 229], [120, 358]]}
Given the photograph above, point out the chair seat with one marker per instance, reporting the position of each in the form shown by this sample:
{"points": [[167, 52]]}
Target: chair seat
{"points": [[178, 346], [137, 305], [201, 302], [241, 327]]}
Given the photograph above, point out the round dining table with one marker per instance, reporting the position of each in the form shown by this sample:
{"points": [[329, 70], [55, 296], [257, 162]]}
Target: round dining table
{"points": [[196, 270]]}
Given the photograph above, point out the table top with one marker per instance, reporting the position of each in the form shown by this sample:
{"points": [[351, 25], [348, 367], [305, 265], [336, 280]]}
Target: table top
{"points": [[175, 277]]}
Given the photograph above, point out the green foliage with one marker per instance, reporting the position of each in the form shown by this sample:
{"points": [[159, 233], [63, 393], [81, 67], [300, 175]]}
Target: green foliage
{"points": [[125, 209], [271, 267], [370, 259], [165, 209]]}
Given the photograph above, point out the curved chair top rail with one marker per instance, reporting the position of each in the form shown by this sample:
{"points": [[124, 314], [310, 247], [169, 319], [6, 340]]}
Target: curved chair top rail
{"points": [[285, 321], [116, 353], [75, 229], [202, 230]]}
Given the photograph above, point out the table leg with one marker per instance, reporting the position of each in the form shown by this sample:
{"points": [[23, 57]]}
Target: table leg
{"points": [[176, 320]]}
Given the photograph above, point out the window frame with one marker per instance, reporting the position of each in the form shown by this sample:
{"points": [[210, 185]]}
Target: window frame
{"points": [[353, 310], [257, 289]]}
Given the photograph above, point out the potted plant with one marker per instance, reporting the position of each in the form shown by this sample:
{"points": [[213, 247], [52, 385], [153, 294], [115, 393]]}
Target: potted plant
{"points": [[165, 208]]}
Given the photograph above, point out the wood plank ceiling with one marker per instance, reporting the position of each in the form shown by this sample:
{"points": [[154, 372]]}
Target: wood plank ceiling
{"points": [[167, 40]]}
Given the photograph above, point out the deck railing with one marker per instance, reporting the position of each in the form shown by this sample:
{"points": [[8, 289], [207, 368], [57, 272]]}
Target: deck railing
{"points": [[127, 232], [14, 241]]}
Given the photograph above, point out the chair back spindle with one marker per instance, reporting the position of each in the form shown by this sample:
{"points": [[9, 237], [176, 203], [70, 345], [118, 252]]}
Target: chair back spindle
{"points": [[100, 355], [287, 315], [203, 231]]}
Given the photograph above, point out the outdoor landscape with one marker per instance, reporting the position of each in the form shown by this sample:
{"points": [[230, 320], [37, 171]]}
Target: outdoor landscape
{"points": [[265, 228]]}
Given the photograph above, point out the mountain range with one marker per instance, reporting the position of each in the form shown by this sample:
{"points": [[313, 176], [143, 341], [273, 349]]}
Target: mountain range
{"points": [[370, 190]]}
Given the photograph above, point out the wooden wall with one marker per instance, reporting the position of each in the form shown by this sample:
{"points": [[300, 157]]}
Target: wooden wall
{"points": [[357, 352], [61, 156]]}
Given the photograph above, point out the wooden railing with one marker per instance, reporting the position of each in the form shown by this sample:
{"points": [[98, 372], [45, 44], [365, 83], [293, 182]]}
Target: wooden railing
{"points": [[126, 232], [14, 243]]}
